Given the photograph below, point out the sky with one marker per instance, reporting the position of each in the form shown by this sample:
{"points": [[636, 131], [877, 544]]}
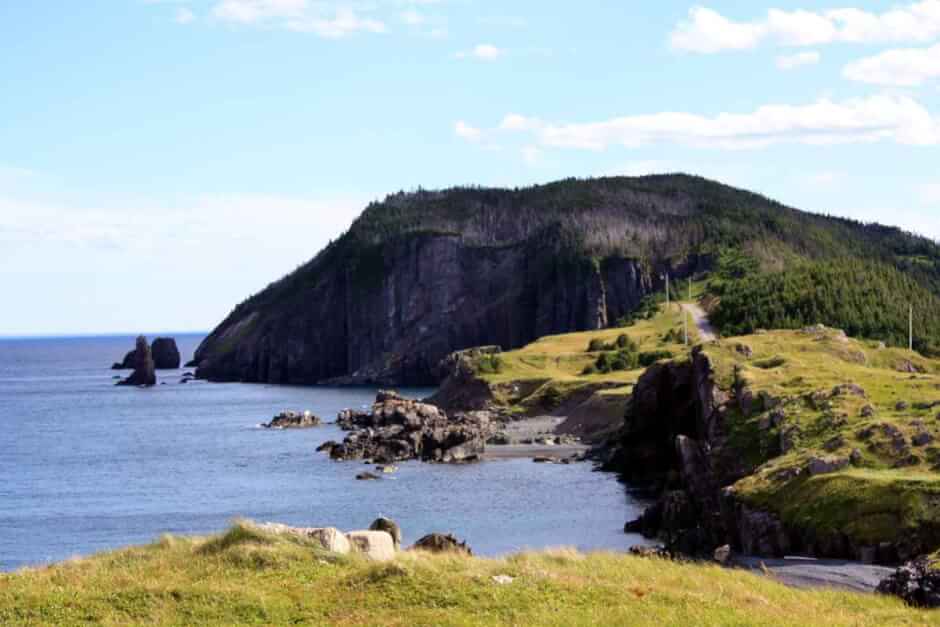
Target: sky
{"points": [[161, 160]]}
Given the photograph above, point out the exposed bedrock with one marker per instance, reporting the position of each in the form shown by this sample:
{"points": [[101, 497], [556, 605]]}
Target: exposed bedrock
{"points": [[675, 440], [388, 315], [398, 429], [143, 366]]}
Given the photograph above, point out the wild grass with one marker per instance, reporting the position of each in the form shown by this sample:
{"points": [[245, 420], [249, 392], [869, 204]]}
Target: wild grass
{"points": [[873, 500], [248, 577]]}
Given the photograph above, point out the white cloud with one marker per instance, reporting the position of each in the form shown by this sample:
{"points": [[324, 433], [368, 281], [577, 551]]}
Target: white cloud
{"points": [[485, 52], [910, 67], [465, 131], [298, 16], [251, 11], [878, 118], [185, 16], [707, 31], [800, 59], [345, 22]]}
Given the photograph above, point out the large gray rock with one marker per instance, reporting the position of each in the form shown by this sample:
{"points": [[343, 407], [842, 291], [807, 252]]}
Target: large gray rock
{"points": [[399, 429], [826, 465], [166, 356], [378, 546], [143, 366], [293, 420], [390, 527], [441, 543]]}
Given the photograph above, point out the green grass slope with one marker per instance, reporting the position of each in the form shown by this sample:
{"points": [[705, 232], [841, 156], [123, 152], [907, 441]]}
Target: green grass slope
{"points": [[248, 577]]}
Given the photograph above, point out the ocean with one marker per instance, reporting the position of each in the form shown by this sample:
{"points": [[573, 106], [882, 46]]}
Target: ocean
{"points": [[86, 466]]}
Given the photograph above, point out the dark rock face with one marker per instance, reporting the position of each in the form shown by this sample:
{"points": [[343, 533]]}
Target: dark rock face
{"points": [[143, 366], [675, 439], [917, 582], [442, 543], [293, 420], [398, 429], [125, 364], [422, 275], [166, 356]]}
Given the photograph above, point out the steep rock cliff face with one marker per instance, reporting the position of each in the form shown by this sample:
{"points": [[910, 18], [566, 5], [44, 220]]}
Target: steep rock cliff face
{"points": [[422, 274], [431, 294]]}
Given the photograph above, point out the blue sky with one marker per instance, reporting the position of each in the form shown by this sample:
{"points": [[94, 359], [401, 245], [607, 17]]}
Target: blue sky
{"points": [[161, 160]]}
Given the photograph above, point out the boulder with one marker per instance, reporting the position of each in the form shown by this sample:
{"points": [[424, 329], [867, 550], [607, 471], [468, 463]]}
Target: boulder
{"points": [[722, 554], [331, 539], [143, 366], [293, 420], [399, 429], [166, 356], [917, 582], [127, 363], [367, 476], [825, 465], [867, 411], [390, 527], [378, 546], [849, 389], [922, 438], [441, 543]]}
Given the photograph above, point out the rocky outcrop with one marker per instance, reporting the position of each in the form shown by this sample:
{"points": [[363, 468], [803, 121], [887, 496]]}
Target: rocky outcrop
{"points": [[127, 363], [675, 440], [293, 420], [422, 275], [390, 527], [166, 356], [917, 582], [398, 429], [143, 366], [441, 543]]}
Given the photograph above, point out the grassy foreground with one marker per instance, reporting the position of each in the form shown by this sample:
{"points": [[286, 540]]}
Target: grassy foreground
{"points": [[246, 576]]}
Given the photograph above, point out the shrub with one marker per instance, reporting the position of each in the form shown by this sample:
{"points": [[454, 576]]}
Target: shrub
{"points": [[651, 357], [596, 345], [624, 342], [490, 364]]}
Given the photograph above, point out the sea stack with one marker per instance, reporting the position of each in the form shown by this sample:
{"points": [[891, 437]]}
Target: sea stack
{"points": [[143, 365], [166, 356]]}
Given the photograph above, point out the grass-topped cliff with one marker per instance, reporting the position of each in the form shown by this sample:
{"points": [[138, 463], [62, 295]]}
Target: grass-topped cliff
{"points": [[587, 376], [834, 436], [422, 274], [248, 577], [843, 432]]}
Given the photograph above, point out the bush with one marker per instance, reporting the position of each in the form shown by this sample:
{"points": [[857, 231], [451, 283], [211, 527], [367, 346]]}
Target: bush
{"points": [[490, 364], [624, 342], [651, 357], [597, 345]]}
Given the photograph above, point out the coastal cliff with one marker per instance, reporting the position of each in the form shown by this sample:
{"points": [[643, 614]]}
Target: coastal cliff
{"points": [[420, 275]]}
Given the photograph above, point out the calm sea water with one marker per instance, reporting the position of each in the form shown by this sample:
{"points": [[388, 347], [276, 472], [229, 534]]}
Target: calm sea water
{"points": [[87, 466]]}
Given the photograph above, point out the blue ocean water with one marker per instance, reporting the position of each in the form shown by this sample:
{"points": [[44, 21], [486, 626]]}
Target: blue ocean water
{"points": [[86, 466]]}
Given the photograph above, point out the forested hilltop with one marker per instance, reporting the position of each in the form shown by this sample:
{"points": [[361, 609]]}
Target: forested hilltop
{"points": [[421, 274]]}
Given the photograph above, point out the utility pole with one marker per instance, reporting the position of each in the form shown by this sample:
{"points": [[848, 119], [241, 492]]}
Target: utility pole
{"points": [[685, 325], [667, 291], [910, 327]]}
